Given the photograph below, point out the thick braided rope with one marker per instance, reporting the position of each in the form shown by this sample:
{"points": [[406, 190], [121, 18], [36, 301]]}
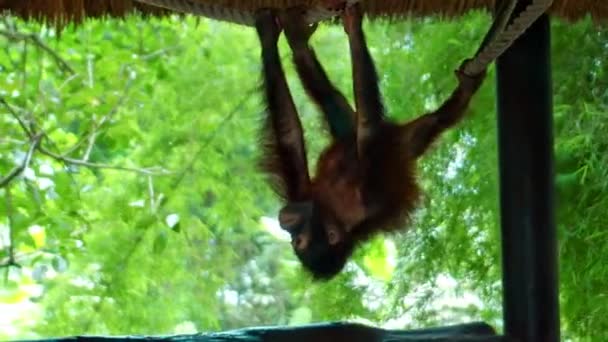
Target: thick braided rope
{"points": [[205, 9], [503, 40], [230, 14]]}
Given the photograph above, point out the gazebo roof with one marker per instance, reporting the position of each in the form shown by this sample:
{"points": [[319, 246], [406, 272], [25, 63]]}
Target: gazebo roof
{"points": [[239, 11]]}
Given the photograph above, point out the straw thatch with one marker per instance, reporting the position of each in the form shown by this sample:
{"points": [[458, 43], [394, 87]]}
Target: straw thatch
{"points": [[240, 11]]}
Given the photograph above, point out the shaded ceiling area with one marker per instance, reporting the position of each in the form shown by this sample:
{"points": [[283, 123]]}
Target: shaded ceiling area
{"points": [[240, 11]]}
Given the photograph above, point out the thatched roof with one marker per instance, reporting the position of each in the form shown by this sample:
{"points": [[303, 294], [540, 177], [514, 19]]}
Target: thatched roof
{"points": [[240, 11]]}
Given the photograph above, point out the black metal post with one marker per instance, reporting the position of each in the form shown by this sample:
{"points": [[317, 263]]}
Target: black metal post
{"points": [[529, 244]]}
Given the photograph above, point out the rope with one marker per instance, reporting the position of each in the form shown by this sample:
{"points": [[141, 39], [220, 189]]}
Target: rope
{"points": [[212, 11], [497, 40], [500, 38], [235, 15]]}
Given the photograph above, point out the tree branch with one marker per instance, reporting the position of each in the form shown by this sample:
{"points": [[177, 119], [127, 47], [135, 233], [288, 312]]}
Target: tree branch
{"points": [[152, 171], [96, 127], [38, 146], [34, 144], [13, 35], [16, 116]]}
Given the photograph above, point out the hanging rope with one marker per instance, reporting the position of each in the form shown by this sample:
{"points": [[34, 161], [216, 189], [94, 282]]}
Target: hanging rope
{"points": [[501, 36]]}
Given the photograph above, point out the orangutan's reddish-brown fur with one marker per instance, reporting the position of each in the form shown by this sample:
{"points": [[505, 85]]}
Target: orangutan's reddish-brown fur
{"points": [[365, 180]]}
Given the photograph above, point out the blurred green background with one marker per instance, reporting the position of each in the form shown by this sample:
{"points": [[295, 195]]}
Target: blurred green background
{"points": [[142, 212]]}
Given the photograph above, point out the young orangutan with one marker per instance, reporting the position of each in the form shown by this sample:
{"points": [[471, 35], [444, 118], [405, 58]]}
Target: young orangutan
{"points": [[365, 179]]}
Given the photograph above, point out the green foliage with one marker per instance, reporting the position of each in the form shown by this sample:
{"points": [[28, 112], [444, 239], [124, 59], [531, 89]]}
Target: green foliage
{"points": [[582, 180], [142, 211]]}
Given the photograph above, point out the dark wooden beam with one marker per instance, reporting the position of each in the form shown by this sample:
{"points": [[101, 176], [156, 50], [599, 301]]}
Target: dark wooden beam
{"points": [[525, 134], [324, 332]]}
